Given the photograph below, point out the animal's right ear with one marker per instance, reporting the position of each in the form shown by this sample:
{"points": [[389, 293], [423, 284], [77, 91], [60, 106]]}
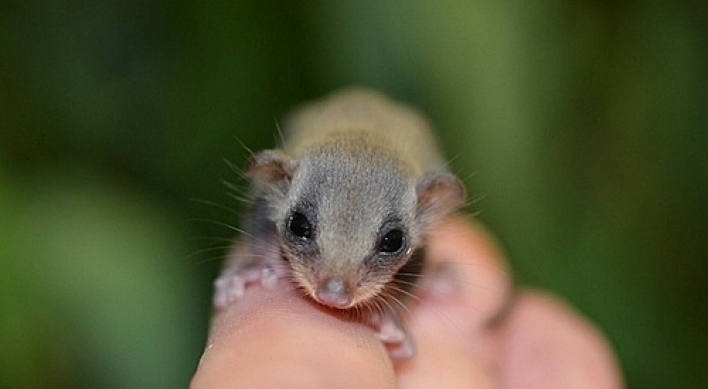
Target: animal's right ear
{"points": [[439, 193], [270, 166]]}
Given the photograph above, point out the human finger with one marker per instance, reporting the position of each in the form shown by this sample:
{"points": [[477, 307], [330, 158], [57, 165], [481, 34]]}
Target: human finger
{"points": [[453, 323], [547, 345], [275, 338]]}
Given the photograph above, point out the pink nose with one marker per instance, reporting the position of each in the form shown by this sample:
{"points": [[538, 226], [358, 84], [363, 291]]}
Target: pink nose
{"points": [[334, 293]]}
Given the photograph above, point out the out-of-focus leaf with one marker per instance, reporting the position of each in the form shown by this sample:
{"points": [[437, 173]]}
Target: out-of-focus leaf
{"points": [[111, 291]]}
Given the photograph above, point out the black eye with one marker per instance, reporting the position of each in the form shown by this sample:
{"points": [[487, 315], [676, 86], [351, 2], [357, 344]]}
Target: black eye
{"points": [[300, 226], [392, 242]]}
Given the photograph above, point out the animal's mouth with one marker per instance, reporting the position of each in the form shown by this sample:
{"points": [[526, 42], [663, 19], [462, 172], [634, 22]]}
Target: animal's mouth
{"points": [[338, 294], [336, 291]]}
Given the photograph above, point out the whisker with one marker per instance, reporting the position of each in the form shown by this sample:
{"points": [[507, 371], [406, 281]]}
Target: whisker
{"points": [[446, 317], [404, 292], [397, 301], [215, 205], [235, 189], [474, 200], [226, 225], [477, 286], [449, 161], [475, 264], [235, 168], [230, 185], [212, 259], [246, 199], [243, 145], [208, 250], [212, 238], [279, 132]]}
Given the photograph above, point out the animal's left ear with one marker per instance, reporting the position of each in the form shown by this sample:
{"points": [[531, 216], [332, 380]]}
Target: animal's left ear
{"points": [[270, 167], [438, 195]]}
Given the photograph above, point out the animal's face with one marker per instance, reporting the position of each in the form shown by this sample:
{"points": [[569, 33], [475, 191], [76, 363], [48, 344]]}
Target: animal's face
{"points": [[349, 216], [348, 224]]}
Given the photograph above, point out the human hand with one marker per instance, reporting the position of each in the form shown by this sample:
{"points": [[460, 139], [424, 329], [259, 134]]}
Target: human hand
{"points": [[275, 338]]}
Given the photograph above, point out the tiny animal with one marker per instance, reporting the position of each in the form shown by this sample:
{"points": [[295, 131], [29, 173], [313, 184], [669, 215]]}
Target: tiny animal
{"points": [[343, 208]]}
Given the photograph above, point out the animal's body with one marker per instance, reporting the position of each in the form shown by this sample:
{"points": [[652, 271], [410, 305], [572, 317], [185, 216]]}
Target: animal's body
{"points": [[345, 206]]}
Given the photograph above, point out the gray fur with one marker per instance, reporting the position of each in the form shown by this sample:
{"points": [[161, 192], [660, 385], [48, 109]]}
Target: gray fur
{"points": [[356, 165]]}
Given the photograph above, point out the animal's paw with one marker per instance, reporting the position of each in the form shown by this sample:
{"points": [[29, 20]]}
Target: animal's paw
{"points": [[392, 333], [231, 285]]}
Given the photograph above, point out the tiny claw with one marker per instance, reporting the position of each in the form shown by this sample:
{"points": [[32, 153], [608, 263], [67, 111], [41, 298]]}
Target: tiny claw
{"points": [[228, 289], [402, 350], [220, 300], [390, 332], [231, 287]]}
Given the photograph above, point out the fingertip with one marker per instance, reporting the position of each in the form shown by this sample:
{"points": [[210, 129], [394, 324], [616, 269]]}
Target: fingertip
{"points": [[276, 338], [467, 285], [459, 236], [548, 345], [465, 258]]}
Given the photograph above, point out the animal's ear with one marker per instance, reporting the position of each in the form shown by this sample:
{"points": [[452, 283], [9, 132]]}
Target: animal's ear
{"points": [[438, 195], [270, 166]]}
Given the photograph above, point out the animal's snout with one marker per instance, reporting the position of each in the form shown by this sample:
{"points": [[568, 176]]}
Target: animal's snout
{"points": [[334, 293]]}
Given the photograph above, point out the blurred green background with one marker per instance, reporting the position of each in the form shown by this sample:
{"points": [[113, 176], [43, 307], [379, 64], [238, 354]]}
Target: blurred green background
{"points": [[584, 125]]}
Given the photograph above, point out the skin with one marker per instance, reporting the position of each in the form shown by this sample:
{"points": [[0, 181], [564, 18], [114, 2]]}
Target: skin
{"points": [[275, 338]]}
